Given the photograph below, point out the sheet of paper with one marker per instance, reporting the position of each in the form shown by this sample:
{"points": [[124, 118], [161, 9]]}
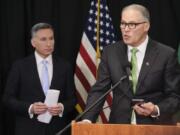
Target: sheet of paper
{"points": [[51, 99]]}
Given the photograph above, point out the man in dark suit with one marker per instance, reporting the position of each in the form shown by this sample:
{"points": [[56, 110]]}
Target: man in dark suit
{"points": [[153, 75], [25, 93]]}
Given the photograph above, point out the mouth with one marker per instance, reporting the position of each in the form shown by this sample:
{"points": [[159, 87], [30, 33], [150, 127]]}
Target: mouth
{"points": [[126, 37], [48, 50]]}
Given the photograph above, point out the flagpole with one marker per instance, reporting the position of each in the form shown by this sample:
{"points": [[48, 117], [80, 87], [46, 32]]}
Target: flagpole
{"points": [[98, 55], [98, 33]]}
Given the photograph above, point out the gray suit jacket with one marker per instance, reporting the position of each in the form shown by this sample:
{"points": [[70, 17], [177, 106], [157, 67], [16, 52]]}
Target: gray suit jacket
{"points": [[157, 83]]}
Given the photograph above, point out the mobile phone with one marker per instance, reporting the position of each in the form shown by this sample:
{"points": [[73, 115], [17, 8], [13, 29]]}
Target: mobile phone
{"points": [[137, 101]]}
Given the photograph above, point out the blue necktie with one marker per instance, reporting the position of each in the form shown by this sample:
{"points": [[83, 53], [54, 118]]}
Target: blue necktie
{"points": [[45, 77]]}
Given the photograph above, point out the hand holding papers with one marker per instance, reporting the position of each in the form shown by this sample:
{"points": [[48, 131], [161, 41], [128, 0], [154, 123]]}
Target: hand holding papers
{"points": [[51, 99]]}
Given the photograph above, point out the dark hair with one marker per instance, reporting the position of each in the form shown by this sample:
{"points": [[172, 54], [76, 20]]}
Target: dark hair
{"points": [[40, 26]]}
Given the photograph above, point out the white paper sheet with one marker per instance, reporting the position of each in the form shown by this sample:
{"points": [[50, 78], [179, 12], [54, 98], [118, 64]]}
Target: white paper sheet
{"points": [[51, 99]]}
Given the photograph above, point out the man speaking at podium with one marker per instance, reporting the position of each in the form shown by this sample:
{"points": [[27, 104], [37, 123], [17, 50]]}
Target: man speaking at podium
{"points": [[148, 96]]}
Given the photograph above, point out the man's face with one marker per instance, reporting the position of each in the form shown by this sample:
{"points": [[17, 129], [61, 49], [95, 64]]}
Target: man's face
{"points": [[43, 42], [133, 35]]}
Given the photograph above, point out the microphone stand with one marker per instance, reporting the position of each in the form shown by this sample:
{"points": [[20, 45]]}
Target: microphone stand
{"points": [[92, 105]]}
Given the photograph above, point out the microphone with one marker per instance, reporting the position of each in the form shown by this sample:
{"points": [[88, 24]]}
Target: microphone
{"points": [[128, 70], [95, 103]]}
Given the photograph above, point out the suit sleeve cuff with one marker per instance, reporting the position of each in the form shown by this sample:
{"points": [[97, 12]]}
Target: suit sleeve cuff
{"points": [[86, 120]]}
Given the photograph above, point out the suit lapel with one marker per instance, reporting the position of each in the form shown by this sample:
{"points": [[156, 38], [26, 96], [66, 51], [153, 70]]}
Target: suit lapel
{"points": [[55, 70], [149, 58], [36, 80]]}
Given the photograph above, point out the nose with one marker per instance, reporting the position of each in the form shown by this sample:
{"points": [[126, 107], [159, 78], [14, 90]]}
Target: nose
{"points": [[126, 28], [49, 43]]}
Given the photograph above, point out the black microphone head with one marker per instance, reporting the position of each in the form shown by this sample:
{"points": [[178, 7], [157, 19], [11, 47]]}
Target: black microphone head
{"points": [[128, 68], [129, 65]]}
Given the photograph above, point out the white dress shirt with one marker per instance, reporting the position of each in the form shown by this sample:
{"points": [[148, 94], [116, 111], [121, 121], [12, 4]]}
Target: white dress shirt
{"points": [[39, 64], [140, 57], [39, 60], [140, 54]]}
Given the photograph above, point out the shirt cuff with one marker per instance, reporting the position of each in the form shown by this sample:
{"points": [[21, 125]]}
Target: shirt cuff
{"points": [[31, 115], [86, 120], [158, 112], [61, 113]]}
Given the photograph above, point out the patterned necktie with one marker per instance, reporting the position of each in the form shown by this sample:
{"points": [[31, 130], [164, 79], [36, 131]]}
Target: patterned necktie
{"points": [[134, 68], [45, 77]]}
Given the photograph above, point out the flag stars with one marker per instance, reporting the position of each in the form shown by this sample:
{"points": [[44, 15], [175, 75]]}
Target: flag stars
{"points": [[90, 20], [107, 16], [110, 19], [95, 21], [101, 23], [95, 38], [101, 14], [95, 30], [105, 30], [89, 28], [92, 3], [107, 24], [101, 31], [91, 11], [101, 39], [107, 33], [107, 41], [101, 6], [106, 36]]}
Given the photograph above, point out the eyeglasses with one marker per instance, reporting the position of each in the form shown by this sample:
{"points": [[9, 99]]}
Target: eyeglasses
{"points": [[130, 25]]}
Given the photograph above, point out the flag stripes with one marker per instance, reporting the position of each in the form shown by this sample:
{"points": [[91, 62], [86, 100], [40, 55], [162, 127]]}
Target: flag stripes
{"points": [[98, 33]]}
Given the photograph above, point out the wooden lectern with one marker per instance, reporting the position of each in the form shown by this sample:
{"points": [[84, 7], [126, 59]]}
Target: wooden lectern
{"points": [[123, 129]]}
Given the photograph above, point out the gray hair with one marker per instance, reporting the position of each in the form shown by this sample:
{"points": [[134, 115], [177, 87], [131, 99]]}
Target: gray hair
{"points": [[40, 26], [143, 10]]}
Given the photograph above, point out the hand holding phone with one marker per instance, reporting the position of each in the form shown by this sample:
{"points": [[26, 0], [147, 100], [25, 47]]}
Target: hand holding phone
{"points": [[137, 101]]}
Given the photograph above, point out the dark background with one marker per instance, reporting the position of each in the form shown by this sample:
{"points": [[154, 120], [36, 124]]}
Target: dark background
{"points": [[68, 18]]}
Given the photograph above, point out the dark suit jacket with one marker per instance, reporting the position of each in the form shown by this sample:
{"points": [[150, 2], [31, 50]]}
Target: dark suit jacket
{"points": [[157, 83], [24, 88]]}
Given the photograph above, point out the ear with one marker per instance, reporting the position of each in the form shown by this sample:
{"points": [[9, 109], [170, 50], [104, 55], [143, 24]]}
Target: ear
{"points": [[33, 42], [147, 26]]}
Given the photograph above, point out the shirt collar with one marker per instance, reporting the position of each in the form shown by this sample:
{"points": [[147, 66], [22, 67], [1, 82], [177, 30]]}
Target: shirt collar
{"points": [[142, 47], [39, 59]]}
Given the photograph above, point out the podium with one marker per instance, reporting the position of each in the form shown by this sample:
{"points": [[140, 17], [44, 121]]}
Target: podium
{"points": [[123, 129]]}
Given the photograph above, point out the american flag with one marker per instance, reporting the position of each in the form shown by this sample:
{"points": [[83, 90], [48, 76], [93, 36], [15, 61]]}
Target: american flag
{"points": [[98, 33]]}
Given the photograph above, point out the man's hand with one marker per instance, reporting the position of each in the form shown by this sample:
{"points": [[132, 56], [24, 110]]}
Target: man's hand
{"points": [[56, 109], [38, 108], [146, 109]]}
